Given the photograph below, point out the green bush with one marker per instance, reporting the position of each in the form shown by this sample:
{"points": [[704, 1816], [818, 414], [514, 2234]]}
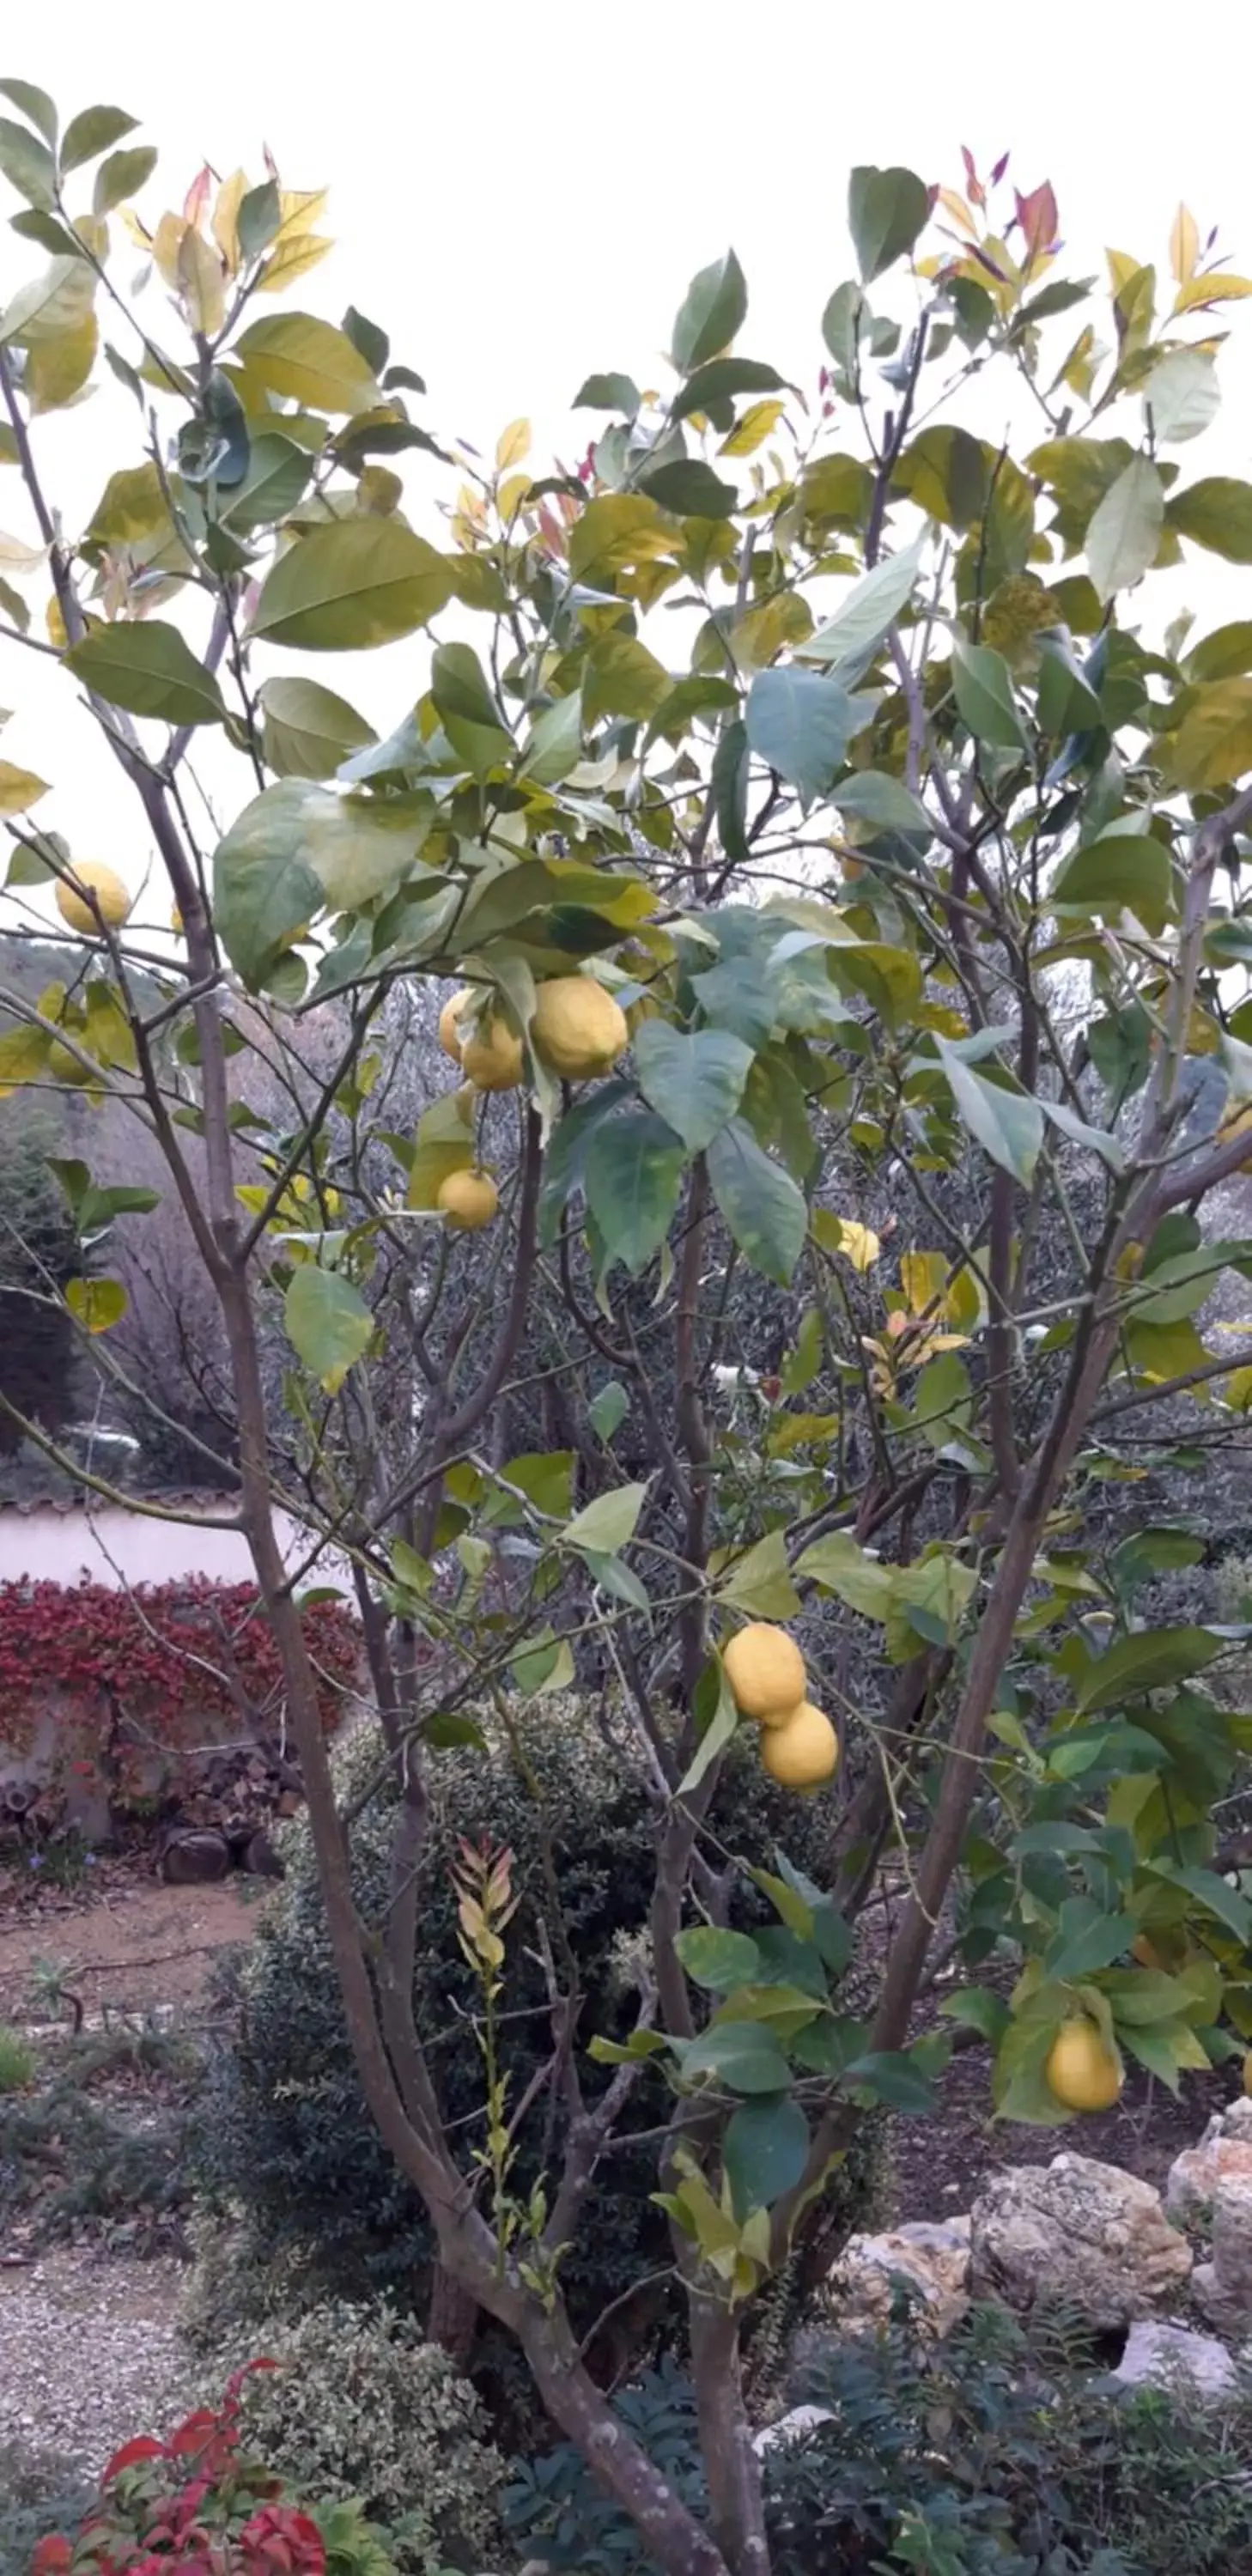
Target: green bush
{"points": [[994, 2454], [361, 2409], [18, 2062], [284, 2137], [39, 2492]]}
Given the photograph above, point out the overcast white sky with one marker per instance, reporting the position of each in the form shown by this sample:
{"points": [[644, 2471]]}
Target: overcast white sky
{"points": [[520, 195]]}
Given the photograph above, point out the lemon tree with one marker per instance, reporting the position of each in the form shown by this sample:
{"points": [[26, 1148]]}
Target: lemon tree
{"points": [[825, 864]]}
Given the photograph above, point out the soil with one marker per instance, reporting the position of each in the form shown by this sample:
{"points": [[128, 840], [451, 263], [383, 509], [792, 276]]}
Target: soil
{"points": [[139, 1946]]}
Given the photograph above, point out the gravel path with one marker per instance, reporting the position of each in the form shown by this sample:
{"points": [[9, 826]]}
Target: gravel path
{"points": [[90, 2353]]}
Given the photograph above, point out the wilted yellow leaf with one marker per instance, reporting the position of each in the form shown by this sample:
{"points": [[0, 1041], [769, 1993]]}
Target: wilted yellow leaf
{"points": [[922, 1276], [202, 283], [290, 259], [512, 444], [1184, 245], [752, 431], [299, 209]]}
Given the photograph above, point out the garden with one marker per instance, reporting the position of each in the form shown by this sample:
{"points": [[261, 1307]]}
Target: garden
{"points": [[693, 1149]]}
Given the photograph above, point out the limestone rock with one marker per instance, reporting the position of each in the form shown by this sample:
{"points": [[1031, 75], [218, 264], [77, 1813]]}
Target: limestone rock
{"points": [[1160, 2355], [931, 2259], [1224, 2154], [1223, 2287], [1076, 2233]]}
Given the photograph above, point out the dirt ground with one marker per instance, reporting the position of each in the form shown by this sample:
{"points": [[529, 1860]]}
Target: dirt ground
{"points": [[138, 1946]]}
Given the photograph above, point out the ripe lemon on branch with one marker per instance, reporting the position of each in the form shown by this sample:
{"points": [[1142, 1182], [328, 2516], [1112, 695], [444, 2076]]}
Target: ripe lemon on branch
{"points": [[578, 1029], [469, 1200], [801, 1752], [110, 893], [1082, 2070], [492, 1057], [765, 1670]]}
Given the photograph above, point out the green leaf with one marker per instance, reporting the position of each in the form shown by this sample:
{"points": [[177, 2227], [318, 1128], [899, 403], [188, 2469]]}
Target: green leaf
{"points": [[52, 304], [761, 1204], [693, 1078], [150, 670], [742, 2055], [728, 780], [983, 691], [121, 177], [719, 1724], [892, 2077], [27, 164], [328, 1323], [278, 475], [1124, 871], [1066, 702], [874, 796], [1213, 745], [348, 587], [1223, 654], [801, 724], [760, 1580], [886, 211], [840, 1565], [1216, 513], [712, 311], [257, 224], [765, 2151], [556, 744], [871, 606], [690, 488], [1212, 1892], [1150, 1660], [1007, 1124], [36, 104], [309, 360], [716, 1959], [608, 1410], [1086, 1940], [606, 1524], [622, 678], [1182, 394], [719, 381], [93, 131], [608, 393], [1125, 531], [298, 848], [634, 1174], [978, 2008], [308, 731]]}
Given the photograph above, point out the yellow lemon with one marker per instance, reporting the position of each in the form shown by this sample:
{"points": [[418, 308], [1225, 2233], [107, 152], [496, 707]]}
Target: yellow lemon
{"points": [[449, 1034], [492, 1058], [109, 891], [801, 1752], [1081, 2071], [469, 1200], [578, 1029], [765, 1670]]}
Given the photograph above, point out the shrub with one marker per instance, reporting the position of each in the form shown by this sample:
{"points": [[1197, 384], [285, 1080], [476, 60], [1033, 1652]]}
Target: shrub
{"points": [[74, 2156], [359, 2407], [39, 2492], [158, 1665], [284, 2135], [201, 2501], [18, 2062], [994, 2454]]}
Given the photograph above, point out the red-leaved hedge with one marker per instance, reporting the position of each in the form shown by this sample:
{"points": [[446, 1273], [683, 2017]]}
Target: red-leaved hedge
{"points": [[162, 1667]]}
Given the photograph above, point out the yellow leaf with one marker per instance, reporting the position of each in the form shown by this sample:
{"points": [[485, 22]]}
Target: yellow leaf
{"points": [[761, 632], [203, 286], [1213, 744], [226, 217], [955, 206], [1122, 267], [512, 444], [858, 1243], [511, 494], [57, 370], [290, 259], [752, 431], [24, 1056], [96, 1303], [19, 788], [55, 623], [1184, 245], [1237, 1390], [166, 244], [379, 491], [138, 230], [922, 1276], [1215, 289], [299, 209], [15, 556]]}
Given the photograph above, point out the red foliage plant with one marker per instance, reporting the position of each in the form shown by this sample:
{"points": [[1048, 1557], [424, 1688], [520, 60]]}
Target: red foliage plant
{"points": [[160, 1668], [196, 2505]]}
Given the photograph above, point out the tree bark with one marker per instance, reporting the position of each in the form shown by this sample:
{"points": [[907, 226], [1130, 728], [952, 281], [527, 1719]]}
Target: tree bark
{"points": [[736, 2504]]}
